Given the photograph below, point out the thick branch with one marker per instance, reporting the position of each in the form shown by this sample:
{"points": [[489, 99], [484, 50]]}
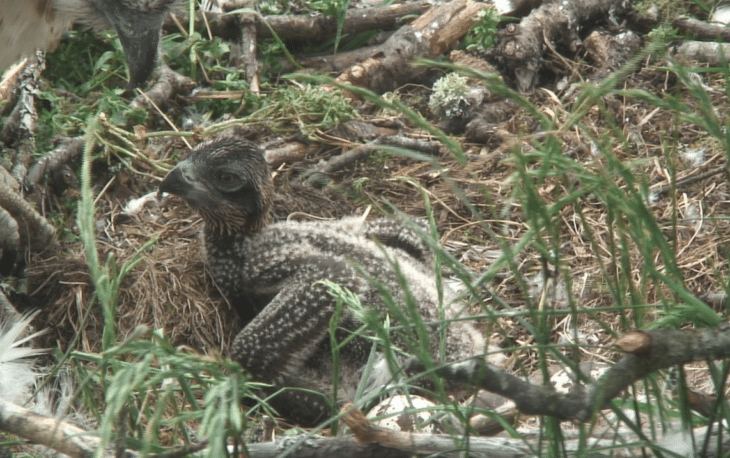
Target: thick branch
{"points": [[703, 31], [522, 45], [432, 34], [315, 26], [710, 52], [59, 435], [665, 348]]}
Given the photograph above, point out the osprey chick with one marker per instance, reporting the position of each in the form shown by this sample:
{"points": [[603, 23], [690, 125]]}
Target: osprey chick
{"points": [[27, 25], [270, 273]]}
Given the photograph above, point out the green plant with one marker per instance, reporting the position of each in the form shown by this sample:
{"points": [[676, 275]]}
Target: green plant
{"points": [[483, 34], [309, 108], [336, 9]]}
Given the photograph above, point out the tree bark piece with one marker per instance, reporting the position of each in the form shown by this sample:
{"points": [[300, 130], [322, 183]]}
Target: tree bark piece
{"points": [[21, 124], [522, 45]]}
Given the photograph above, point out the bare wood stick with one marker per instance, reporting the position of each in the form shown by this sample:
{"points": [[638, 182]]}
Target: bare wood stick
{"points": [[314, 26], [249, 59], [703, 31], [368, 441], [288, 152], [59, 435], [660, 189], [433, 33], [713, 53], [321, 175]]}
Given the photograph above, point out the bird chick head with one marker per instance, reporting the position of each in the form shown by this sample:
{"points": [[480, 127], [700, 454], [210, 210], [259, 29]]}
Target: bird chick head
{"points": [[227, 180]]}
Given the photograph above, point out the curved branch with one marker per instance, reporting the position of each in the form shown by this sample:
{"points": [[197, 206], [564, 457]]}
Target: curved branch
{"points": [[649, 351]]}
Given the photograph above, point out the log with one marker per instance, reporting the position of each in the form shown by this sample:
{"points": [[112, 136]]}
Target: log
{"points": [[388, 66], [314, 26]]}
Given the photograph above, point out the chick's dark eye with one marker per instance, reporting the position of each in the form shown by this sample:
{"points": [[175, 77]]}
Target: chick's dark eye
{"points": [[226, 178]]}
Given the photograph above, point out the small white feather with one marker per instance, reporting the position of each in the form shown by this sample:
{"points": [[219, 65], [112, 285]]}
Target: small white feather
{"points": [[17, 374]]}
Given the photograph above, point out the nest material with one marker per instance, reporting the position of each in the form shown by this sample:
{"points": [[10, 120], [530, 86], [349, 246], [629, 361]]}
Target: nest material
{"points": [[167, 290]]}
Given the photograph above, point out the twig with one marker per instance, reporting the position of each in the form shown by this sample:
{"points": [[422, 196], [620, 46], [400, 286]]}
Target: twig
{"points": [[689, 180], [321, 175]]}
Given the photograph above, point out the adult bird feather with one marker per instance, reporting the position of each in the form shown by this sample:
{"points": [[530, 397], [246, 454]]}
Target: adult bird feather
{"points": [[27, 25]]}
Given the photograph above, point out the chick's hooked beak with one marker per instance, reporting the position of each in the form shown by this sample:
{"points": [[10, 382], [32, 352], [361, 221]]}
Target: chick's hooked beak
{"points": [[174, 182], [183, 181]]}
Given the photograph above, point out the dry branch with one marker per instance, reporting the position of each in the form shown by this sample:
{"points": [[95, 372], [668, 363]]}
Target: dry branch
{"points": [[319, 28], [653, 350], [712, 53], [56, 434], [243, 54], [437, 31], [312, 26], [288, 152], [68, 438], [322, 173], [522, 45], [368, 442], [703, 31]]}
